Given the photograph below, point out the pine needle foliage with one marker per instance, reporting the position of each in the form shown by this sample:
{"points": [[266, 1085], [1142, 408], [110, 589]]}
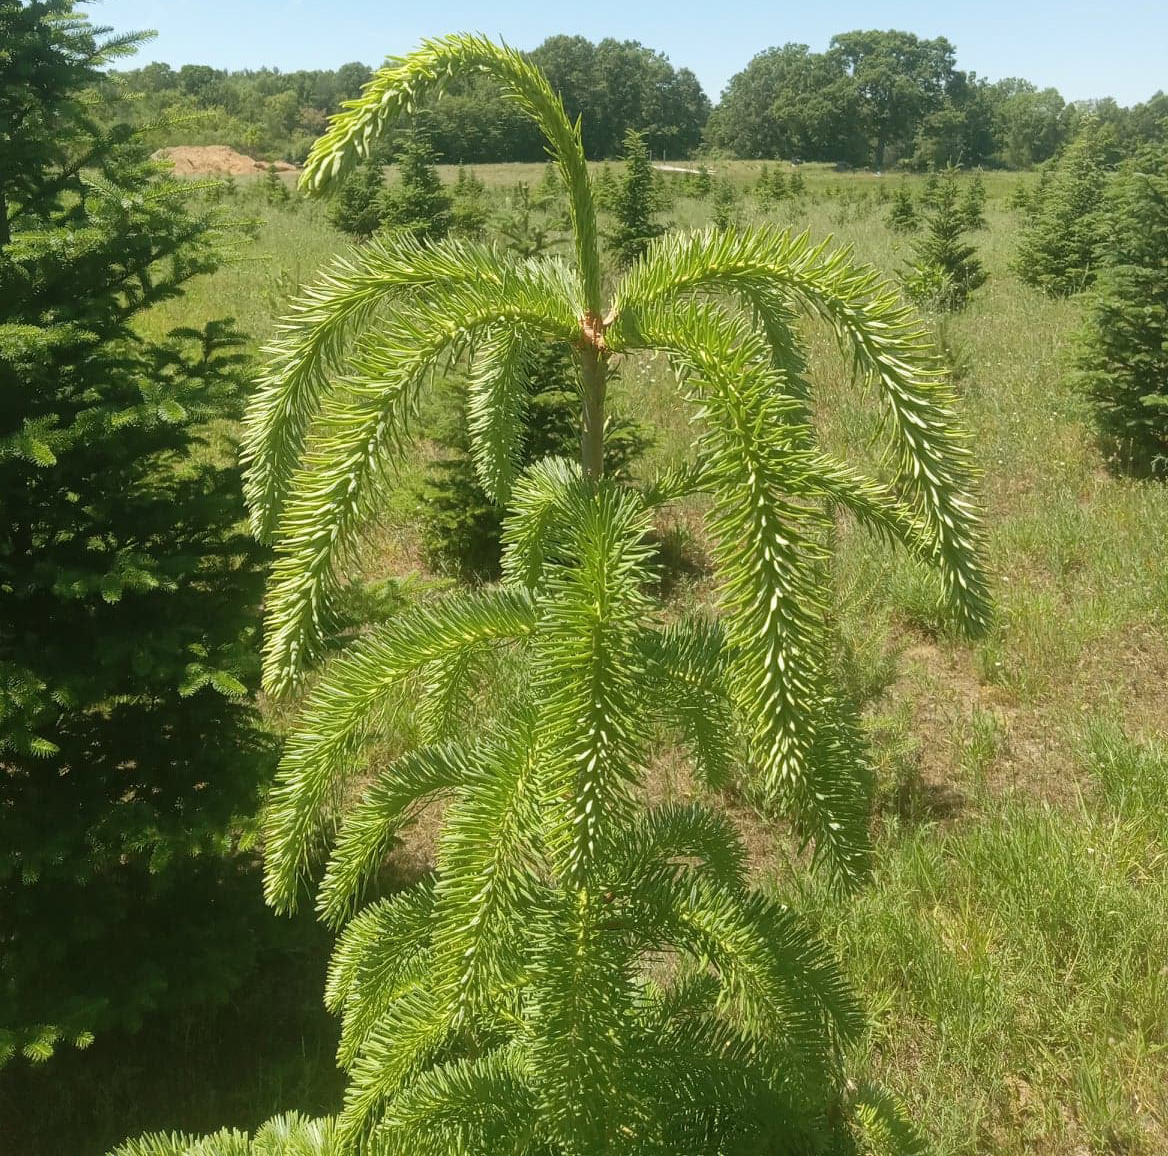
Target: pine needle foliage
{"points": [[973, 203], [356, 209], [461, 524], [1059, 251], [417, 201], [468, 209], [633, 204], [724, 211], [528, 222], [131, 755], [902, 217], [1122, 352], [582, 974], [288, 1135], [1020, 196], [945, 269]]}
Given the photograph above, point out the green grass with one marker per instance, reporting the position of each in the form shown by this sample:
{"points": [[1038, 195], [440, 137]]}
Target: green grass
{"points": [[1012, 945], [1014, 969]]}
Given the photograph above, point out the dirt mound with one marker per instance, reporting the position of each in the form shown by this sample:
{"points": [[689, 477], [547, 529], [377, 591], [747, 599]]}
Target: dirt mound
{"points": [[197, 160]]}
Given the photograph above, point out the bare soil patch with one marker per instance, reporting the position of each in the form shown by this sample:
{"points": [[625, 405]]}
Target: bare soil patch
{"points": [[202, 160]]}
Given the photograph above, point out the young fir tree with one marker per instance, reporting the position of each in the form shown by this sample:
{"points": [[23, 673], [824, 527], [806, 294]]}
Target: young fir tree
{"points": [[662, 192], [1058, 249], [1122, 352], [902, 217], [973, 203], [417, 202], [526, 224], [931, 190], [699, 185], [276, 192], [605, 188], [797, 185], [763, 190], [945, 269], [724, 211], [513, 1000], [468, 210], [131, 751], [1020, 196], [550, 186], [633, 204], [356, 207], [462, 527]]}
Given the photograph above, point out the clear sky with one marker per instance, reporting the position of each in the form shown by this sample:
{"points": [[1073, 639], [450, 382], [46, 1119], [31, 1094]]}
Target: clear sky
{"points": [[1117, 48]]}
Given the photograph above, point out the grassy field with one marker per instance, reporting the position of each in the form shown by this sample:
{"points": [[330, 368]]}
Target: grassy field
{"points": [[1013, 947]]}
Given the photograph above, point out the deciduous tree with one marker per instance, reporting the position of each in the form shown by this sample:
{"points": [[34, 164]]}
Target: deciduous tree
{"points": [[898, 78]]}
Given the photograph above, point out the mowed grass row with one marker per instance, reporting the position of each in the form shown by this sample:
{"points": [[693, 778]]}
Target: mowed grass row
{"points": [[1012, 945]]}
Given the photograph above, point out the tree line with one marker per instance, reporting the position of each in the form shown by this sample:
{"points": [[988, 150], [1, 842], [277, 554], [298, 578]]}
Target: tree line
{"points": [[614, 85], [874, 98], [882, 98]]}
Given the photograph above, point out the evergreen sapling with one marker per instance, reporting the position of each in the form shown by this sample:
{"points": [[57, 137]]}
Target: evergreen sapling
{"points": [[633, 205], [973, 203], [417, 203], [945, 269], [902, 217], [1122, 352], [510, 1001], [1060, 242]]}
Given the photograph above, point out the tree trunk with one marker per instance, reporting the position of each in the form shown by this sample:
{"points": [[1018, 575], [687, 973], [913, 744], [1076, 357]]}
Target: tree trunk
{"points": [[594, 371]]}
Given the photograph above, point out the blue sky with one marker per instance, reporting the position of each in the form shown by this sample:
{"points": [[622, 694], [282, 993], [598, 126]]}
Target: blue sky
{"points": [[1083, 49]]}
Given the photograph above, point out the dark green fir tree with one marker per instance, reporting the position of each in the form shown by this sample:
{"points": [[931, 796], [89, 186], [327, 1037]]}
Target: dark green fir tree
{"points": [[468, 209], [902, 217], [973, 203], [724, 211], [633, 204], [945, 269], [462, 529], [1122, 354], [417, 202], [1059, 247], [132, 754], [356, 208]]}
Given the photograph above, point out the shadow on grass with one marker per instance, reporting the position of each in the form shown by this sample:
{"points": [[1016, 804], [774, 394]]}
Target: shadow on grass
{"points": [[269, 1049], [915, 801]]}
